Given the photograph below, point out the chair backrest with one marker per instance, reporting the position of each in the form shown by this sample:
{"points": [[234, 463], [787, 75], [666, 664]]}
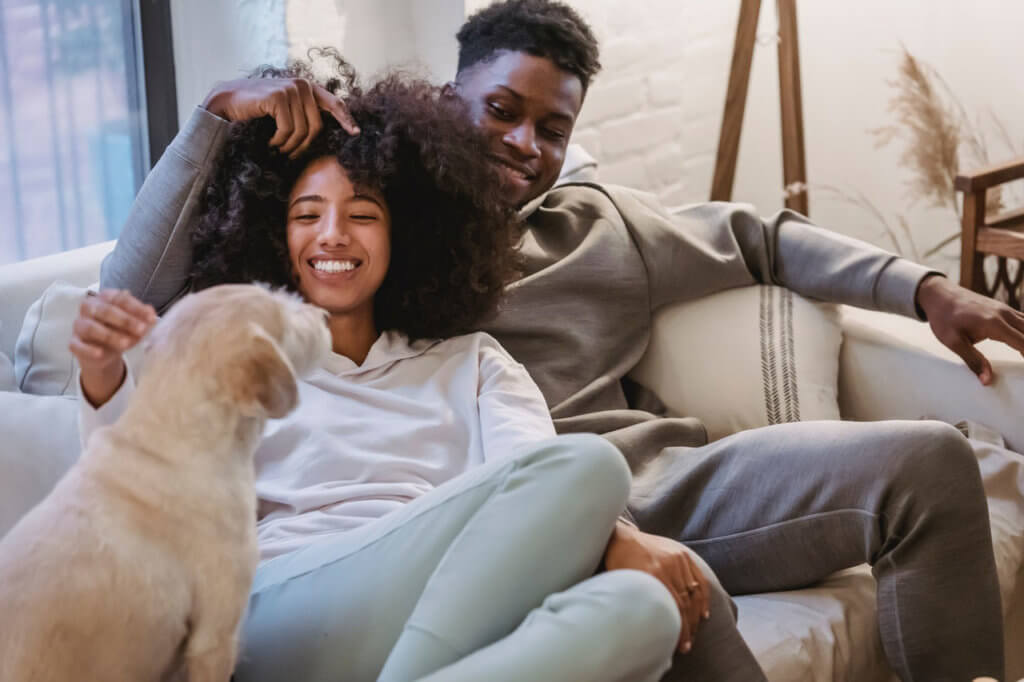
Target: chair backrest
{"points": [[1000, 235]]}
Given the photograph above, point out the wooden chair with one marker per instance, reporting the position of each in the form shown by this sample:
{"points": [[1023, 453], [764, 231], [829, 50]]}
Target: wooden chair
{"points": [[1001, 235]]}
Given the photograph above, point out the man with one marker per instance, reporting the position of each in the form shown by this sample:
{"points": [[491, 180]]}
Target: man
{"points": [[770, 509]]}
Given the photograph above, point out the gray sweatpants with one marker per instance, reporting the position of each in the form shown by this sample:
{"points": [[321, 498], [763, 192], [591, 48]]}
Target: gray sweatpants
{"points": [[783, 507], [487, 577]]}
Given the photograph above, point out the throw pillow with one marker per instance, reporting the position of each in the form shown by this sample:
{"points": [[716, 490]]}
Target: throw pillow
{"points": [[1002, 473], [40, 435], [43, 364], [7, 381], [745, 358]]}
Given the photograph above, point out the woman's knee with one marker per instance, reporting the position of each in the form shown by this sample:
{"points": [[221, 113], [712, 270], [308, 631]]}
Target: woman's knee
{"points": [[586, 467], [645, 613]]}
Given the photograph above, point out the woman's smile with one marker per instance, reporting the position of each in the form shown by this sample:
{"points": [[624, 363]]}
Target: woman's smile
{"points": [[339, 240], [333, 266], [334, 269]]}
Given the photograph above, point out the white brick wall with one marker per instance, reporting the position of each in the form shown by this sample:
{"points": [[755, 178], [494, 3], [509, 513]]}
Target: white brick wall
{"points": [[652, 116], [642, 121]]}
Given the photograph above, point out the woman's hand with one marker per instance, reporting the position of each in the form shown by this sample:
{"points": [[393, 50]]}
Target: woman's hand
{"points": [[108, 324], [668, 561], [293, 103]]}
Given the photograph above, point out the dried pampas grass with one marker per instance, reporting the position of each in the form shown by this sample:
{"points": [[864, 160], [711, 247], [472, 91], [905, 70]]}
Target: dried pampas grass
{"points": [[936, 133], [931, 130]]}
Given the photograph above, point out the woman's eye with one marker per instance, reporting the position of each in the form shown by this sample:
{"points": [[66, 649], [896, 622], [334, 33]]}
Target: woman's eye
{"points": [[306, 217], [364, 217], [553, 134]]}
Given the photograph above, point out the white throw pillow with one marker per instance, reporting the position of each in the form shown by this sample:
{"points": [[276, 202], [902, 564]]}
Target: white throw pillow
{"points": [[43, 364], [7, 381], [40, 442], [745, 358], [1002, 473]]}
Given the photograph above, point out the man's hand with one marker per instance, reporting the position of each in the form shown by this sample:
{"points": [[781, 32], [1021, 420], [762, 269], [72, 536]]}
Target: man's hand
{"points": [[960, 318], [666, 560], [293, 103]]}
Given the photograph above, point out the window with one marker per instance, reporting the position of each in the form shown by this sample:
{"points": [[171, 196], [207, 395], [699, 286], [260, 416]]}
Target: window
{"points": [[75, 137]]}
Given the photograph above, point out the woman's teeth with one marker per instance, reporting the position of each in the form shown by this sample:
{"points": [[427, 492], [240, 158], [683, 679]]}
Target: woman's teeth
{"points": [[334, 265]]}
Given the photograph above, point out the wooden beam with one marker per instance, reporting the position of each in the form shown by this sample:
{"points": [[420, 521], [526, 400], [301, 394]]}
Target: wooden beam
{"points": [[735, 101], [1007, 243], [972, 274], [1009, 220], [991, 176], [794, 163]]}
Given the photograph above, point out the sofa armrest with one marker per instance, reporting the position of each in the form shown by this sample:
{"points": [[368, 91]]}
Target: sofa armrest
{"points": [[22, 283], [892, 367]]}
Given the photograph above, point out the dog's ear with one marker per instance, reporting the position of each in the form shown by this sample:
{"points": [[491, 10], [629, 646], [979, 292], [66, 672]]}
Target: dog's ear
{"points": [[265, 384]]}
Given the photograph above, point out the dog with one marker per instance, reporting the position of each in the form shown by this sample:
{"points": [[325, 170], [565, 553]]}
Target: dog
{"points": [[137, 566]]}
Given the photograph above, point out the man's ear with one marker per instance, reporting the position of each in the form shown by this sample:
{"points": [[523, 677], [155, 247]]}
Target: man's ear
{"points": [[262, 380], [450, 89]]}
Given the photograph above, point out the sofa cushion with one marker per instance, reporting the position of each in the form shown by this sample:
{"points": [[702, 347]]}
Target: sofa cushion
{"points": [[7, 380], [23, 282], [923, 378], [1002, 472], [40, 435], [43, 363], [745, 358]]}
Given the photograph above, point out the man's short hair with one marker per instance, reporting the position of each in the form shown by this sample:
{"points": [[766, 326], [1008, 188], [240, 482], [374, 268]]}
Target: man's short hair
{"points": [[542, 28]]}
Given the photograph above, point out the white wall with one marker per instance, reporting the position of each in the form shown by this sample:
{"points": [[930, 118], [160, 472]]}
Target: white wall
{"points": [[218, 40], [669, 61], [652, 116]]}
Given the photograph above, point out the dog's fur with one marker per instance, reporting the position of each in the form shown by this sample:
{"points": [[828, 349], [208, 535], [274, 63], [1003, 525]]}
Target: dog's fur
{"points": [[137, 566]]}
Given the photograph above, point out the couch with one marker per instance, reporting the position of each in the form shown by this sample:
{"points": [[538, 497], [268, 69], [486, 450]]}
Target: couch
{"points": [[889, 367]]}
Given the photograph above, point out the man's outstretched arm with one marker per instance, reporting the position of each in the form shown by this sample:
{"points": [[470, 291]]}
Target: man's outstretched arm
{"points": [[715, 246], [960, 318], [153, 255]]}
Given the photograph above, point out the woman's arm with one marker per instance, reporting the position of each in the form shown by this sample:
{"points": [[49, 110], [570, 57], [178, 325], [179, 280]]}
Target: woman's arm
{"points": [[108, 324], [512, 410]]}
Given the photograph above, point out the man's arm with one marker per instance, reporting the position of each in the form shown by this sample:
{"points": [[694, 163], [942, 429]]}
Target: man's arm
{"points": [[153, 255], [710, 247], [715, 246], [960, 318]]}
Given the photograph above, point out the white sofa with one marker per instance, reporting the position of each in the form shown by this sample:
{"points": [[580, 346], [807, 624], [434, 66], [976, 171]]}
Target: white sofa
{"points": [[889, 368]]}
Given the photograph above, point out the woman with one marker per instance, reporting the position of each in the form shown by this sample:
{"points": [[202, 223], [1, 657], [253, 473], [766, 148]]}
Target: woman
{"points": [[417, 516]]}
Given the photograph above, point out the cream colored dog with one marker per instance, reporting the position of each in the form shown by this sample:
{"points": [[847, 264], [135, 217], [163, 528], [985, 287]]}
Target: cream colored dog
{"points": [[137, 567]]}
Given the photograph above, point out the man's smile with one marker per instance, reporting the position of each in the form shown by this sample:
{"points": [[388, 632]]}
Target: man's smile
{"points": [[516, 171]]}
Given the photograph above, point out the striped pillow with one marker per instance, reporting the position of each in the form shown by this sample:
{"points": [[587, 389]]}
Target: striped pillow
{"points": [[745, 358]]}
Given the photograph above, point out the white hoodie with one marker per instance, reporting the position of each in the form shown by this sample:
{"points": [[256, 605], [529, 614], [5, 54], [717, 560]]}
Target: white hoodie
{"points": [[366, 439]]}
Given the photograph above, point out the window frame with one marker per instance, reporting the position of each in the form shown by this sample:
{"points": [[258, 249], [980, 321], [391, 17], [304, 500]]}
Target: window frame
{"points": [[157, 80]]}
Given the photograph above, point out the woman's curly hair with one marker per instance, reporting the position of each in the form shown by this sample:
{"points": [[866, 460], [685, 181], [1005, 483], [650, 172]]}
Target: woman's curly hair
{"points": [[452, 235]]}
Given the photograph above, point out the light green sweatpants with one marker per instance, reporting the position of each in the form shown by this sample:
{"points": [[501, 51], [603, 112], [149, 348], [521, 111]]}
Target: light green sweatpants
{"points": [[488, 577]]}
